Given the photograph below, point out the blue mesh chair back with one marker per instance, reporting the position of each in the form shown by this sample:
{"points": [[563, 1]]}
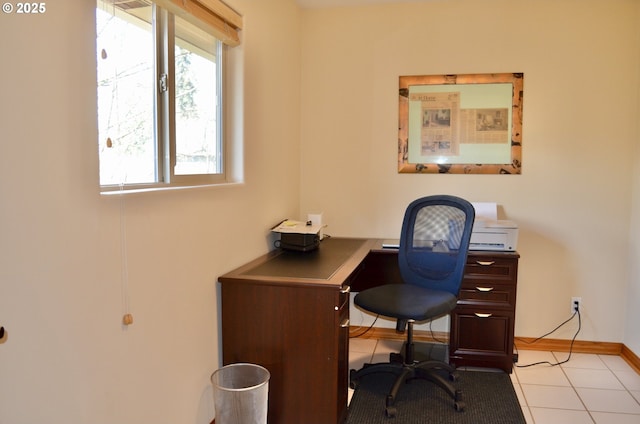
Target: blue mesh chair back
{"points": [[434, 242]]}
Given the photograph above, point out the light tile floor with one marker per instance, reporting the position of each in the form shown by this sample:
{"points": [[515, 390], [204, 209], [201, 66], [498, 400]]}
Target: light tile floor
{"points": [[588, 389]]}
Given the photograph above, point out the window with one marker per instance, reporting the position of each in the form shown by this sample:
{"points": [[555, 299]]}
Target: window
{"points": [[160, 91]]}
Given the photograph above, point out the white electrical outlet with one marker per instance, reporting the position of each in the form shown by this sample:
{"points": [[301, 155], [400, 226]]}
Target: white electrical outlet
{"points": [[573, 304]]}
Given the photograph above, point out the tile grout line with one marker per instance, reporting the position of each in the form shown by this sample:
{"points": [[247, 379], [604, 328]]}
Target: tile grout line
{"points": [[584, 405], [524, 397], [627, 389]]}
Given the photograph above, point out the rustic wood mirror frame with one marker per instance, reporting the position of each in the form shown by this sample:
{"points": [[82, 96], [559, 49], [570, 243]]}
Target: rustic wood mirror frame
{"points": [[457, 125]]}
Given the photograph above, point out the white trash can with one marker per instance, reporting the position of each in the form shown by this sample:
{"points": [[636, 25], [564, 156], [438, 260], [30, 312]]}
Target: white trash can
{"points": [[240, 394]]}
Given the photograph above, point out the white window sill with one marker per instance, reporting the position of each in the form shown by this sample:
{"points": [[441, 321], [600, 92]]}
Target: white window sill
{"points": [[117, 190]]}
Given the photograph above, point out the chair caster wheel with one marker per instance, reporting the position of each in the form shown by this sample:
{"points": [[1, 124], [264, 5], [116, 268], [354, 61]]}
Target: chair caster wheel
{"points": [[396, 357], [391, 411], [353, 383], [454, 376], [459, 406]]}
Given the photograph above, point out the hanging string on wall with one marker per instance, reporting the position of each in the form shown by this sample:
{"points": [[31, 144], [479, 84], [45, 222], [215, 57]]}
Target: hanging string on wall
{"points": [[127, 318]]}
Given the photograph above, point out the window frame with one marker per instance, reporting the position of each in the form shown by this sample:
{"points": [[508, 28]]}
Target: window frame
{"points": [[163, 31]]}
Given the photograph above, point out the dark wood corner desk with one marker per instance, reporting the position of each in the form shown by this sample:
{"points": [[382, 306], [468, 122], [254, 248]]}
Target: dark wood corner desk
{"points": [[289, 312]]}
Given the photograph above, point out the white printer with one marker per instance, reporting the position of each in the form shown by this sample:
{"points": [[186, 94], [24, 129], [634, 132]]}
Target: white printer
{"points": [[490, 233]]}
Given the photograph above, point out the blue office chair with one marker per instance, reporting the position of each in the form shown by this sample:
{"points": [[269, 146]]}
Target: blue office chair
{"points": [[433, 251]]}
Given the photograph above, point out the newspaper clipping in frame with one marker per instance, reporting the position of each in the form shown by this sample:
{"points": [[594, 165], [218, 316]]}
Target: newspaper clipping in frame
{"points": [[440, 112], [490, 125]]}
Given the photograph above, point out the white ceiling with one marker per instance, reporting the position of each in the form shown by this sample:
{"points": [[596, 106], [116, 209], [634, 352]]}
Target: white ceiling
{"points": [[333, 3]]}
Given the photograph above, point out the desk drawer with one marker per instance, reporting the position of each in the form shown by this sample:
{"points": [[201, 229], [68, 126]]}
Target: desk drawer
{"points": [[482, 338], [491, 267], [494, 295], [486, 331]]}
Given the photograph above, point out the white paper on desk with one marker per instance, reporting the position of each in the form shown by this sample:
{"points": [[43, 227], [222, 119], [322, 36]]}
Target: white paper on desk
{"points": [[485, 212], [296, 227]]}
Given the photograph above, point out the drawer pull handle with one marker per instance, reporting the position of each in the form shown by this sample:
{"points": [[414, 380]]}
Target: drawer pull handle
{"points": [[484, 289], [345, 323], [485, 263], [479, 315], [345, 289]]}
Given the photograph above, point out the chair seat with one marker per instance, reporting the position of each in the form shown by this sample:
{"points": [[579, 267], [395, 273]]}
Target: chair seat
{"points": [[406, 301]]}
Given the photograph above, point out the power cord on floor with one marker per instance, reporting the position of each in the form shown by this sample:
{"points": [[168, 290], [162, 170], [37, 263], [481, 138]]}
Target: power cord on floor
{"points": [[433, 336], [353, 336], [577, 312]]}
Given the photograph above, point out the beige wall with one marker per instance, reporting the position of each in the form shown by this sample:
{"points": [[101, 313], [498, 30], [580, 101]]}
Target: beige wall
{"points": [[632, 331], [66, 358], [573, 199]]}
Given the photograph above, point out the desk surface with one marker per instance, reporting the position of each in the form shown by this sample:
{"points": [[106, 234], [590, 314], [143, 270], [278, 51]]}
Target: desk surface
{"points": [[330, 264], [320, 263]]}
